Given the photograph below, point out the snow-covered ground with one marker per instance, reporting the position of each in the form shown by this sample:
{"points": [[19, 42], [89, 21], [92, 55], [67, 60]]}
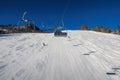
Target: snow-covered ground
{"points": [[83, 55]]}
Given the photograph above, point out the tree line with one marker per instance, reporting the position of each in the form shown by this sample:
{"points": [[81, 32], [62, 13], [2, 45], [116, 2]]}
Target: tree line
{"points": [[104, 29], [11, 28]]}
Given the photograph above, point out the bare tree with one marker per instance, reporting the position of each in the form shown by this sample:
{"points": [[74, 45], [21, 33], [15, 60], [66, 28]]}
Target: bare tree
{"points": [[83, 27], [117, 30]]}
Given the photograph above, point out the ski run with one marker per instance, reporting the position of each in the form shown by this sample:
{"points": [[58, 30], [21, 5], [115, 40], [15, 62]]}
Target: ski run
{"points": [[83, 55]]}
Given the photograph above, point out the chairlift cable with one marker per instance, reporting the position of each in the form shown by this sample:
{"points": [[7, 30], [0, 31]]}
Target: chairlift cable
{"points": [[64, 12]]}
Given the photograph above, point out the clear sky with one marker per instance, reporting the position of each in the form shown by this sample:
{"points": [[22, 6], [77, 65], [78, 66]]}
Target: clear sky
{"points": [[49, 12]]}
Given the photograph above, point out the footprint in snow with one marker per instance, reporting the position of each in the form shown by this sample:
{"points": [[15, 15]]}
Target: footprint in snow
{"points": [[77, 44], [2, 66], [20, 72], [39, 66], [91, 52], [12, 78], [13, 61], [19, 48], [6, 55]]}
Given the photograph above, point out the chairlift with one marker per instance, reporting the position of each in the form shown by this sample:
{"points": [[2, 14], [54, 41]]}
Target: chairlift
{"points": [[25, 21], [59, 33]]}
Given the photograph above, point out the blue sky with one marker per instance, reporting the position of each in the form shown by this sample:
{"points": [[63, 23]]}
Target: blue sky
{"points": [[49, 12]]}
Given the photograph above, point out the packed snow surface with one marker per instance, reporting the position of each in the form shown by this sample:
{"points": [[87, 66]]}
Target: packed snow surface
{"points": [[83, 55]]}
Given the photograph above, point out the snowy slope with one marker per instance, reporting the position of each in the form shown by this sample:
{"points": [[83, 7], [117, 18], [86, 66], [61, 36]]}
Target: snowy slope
{"points": [[83, 55]]}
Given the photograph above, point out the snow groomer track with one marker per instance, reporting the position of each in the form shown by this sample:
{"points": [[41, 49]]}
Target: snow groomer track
{"points": [[83, 55]]}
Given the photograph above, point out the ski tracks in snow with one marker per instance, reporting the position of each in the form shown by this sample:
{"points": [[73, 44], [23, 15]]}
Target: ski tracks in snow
{"points": [[84, 55]]}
